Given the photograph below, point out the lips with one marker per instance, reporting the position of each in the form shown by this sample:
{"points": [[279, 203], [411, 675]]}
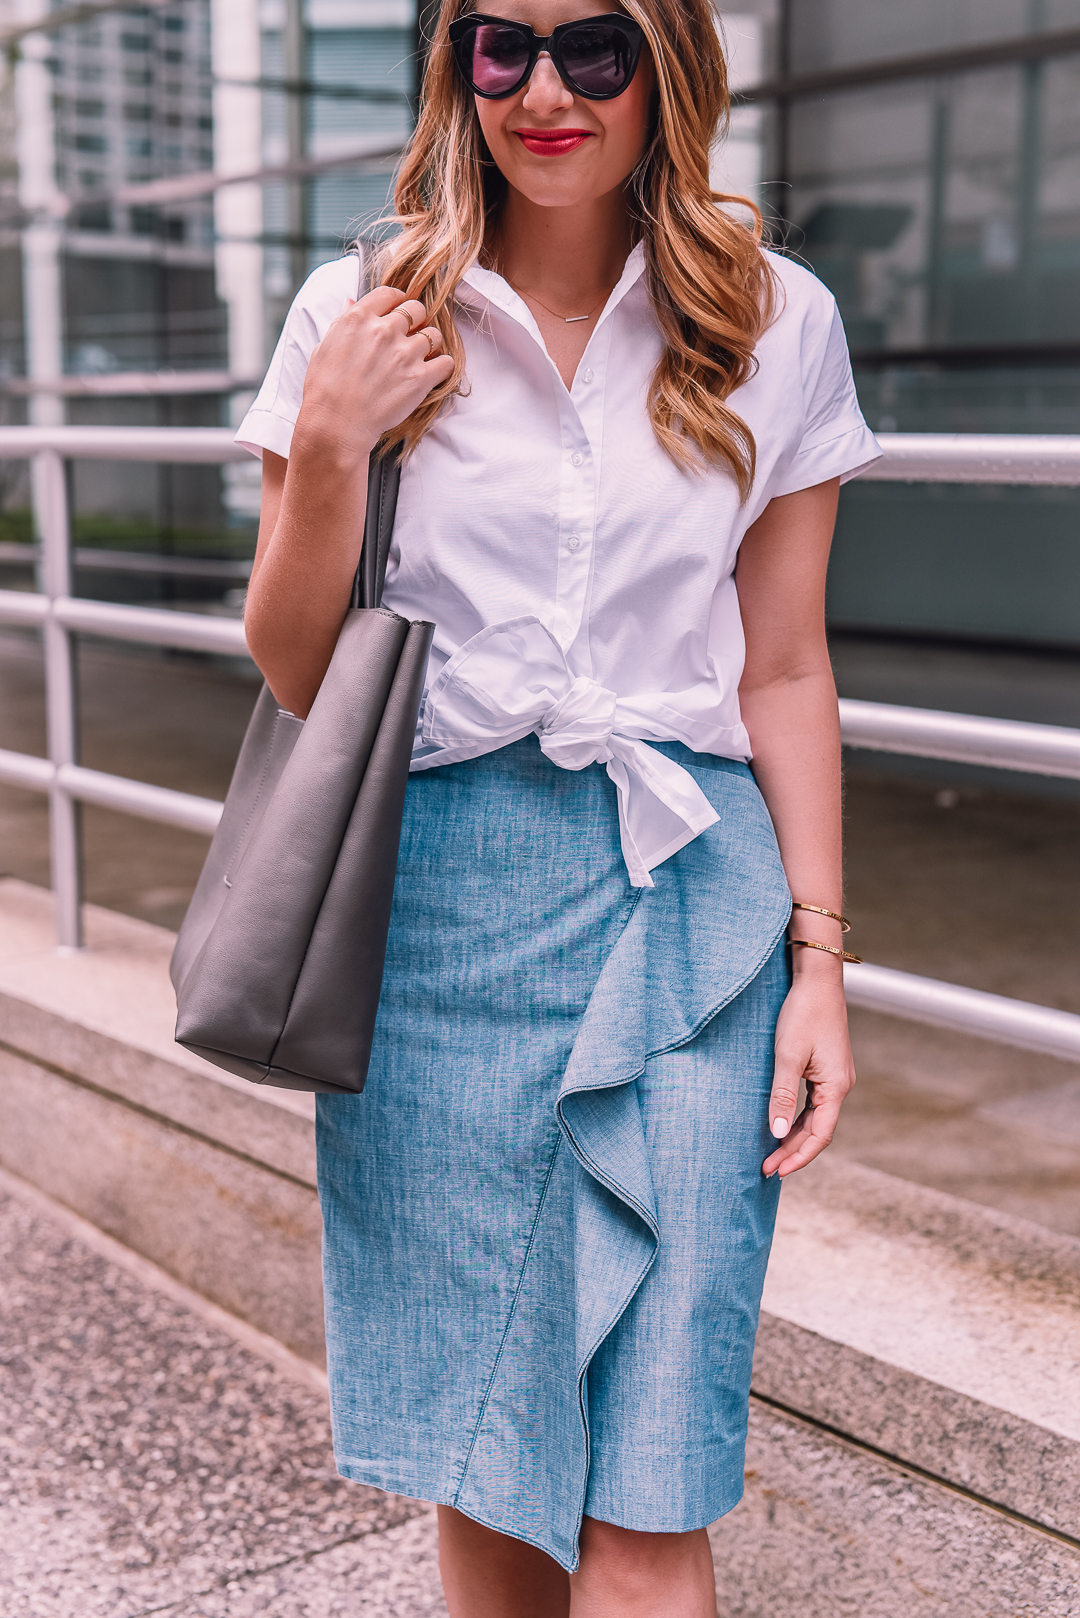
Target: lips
{"points": [[552, 142]]}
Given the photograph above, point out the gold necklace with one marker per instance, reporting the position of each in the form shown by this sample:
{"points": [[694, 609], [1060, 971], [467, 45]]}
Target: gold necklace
{"points": [[570, 320]]}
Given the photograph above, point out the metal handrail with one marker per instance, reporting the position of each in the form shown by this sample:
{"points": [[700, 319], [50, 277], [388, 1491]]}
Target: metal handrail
{"points": [[1019, 458], [208, 446], [162, 804], [1004, 744], [1007, 744], [964, 1011], [977, 458], [150, 626], [97, 559]]}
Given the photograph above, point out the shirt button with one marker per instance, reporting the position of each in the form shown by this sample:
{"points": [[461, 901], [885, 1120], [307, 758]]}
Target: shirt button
{"points": [[573, 542], [587, 376], [577, 458]]}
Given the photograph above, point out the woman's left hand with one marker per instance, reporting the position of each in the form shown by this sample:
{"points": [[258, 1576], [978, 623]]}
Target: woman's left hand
{"points": [[812, 1044]]}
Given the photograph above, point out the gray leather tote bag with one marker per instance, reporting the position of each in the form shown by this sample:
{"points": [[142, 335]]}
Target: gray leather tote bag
{"points": [[278, 964]]}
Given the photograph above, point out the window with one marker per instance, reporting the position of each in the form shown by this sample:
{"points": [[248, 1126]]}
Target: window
{"points": [[939, 200]]}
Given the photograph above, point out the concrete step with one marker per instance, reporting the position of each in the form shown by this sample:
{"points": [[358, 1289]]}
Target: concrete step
{"points": [[915, 1428], [915, 1435], [939, 1332], [208, 1176]]}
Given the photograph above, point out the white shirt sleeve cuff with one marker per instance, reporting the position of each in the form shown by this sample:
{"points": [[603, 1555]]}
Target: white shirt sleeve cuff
{"points": [[843, 457], [261, 429]]}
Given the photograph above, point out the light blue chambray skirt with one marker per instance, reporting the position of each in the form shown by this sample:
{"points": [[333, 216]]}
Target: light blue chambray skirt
{"points": [[546, 1227]]}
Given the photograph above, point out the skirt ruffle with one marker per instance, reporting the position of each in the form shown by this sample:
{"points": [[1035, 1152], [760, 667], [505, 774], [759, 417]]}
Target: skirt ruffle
{"points": [[546, 1226]]}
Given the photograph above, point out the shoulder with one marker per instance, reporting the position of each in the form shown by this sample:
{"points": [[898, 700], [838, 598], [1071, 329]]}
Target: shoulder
{"points": [[805, 338], [318, 302], [803, 303]]}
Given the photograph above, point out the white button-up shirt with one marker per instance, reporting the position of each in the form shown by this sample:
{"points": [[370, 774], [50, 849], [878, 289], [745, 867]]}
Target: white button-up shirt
{"points": [[582, 584]]}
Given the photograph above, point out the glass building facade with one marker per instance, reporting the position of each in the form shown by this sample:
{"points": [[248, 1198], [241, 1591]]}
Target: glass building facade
{"points": [[923, 160]]}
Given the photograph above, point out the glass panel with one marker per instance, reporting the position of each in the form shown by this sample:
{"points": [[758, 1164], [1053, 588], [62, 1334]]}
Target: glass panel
{"points": [[743, 159], [159, 535], [750, 31], [945, 216], [837, 33], [17, 553], [945, 213], [863, 198], [980, 563]]}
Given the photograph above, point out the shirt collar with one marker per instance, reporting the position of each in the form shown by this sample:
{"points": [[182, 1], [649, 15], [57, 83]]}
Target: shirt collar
{"points": [[492, 289]]}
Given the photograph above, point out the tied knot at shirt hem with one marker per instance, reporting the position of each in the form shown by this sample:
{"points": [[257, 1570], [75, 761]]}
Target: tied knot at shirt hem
{"points": [[512, 680], [576, 732]]}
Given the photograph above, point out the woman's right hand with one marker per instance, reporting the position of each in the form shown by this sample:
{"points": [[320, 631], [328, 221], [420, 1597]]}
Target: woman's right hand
{"points": [[378, 361]]}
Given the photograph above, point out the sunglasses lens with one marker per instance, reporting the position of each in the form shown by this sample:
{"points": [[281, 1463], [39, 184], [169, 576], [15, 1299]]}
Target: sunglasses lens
{"points": [[499, 56], [597, 58]]}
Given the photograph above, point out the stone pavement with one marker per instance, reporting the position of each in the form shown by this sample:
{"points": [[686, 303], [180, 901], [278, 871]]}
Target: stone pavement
{"points": [[154, 1459], [150, 1463]]}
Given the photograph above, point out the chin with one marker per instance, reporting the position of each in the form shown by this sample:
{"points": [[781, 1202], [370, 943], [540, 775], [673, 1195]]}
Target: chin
{"points": [[554, 196], [550, 191]]}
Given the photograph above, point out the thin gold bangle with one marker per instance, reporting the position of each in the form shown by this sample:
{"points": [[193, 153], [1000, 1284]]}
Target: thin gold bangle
{"points": [[819, 910], [830, 949]]}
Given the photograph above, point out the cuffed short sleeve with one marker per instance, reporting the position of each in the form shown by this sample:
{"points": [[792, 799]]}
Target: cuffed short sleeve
{"points": [[835, 441], [270, 421]]}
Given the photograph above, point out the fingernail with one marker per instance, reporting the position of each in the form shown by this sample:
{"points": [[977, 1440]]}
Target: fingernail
{"points": [[780, 1127]]}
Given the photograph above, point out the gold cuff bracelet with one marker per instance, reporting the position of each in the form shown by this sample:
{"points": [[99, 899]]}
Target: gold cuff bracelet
{"points": [[819, 910], [830, 949]]}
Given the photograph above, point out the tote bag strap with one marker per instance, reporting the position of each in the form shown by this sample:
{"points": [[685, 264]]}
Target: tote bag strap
{"points": [[384, 476]]}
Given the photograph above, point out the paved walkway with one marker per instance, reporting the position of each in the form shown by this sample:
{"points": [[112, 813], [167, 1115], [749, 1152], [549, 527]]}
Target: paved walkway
{"points": [[149, 1463]]}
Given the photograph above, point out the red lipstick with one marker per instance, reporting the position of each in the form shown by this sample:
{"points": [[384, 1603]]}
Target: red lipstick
{"points": [[552, 142]]}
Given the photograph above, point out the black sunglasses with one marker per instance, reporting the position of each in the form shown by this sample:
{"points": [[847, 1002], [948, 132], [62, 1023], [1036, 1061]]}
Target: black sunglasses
{"points": [[595, 58]]}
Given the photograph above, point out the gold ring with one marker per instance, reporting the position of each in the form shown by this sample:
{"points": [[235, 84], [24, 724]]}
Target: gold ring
{"points": [[432, 339]]}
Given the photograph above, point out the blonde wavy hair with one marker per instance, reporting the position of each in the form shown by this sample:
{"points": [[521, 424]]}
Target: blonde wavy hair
{"points": [[711, 287]]}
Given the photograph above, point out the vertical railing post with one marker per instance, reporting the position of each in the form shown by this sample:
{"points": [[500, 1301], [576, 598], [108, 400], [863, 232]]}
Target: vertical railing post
{"points": [[49, 488]]}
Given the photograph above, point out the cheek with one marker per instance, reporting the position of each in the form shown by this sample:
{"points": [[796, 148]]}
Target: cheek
{"points": [[629, 117], [627, 122]]}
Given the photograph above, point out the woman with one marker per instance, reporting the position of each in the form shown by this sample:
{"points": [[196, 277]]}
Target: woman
{"points": [[548, 1217]]}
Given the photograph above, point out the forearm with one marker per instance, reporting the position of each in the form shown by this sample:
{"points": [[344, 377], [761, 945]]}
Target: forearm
{"points": [[788, 702], [795, 736], [304, 572]]}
